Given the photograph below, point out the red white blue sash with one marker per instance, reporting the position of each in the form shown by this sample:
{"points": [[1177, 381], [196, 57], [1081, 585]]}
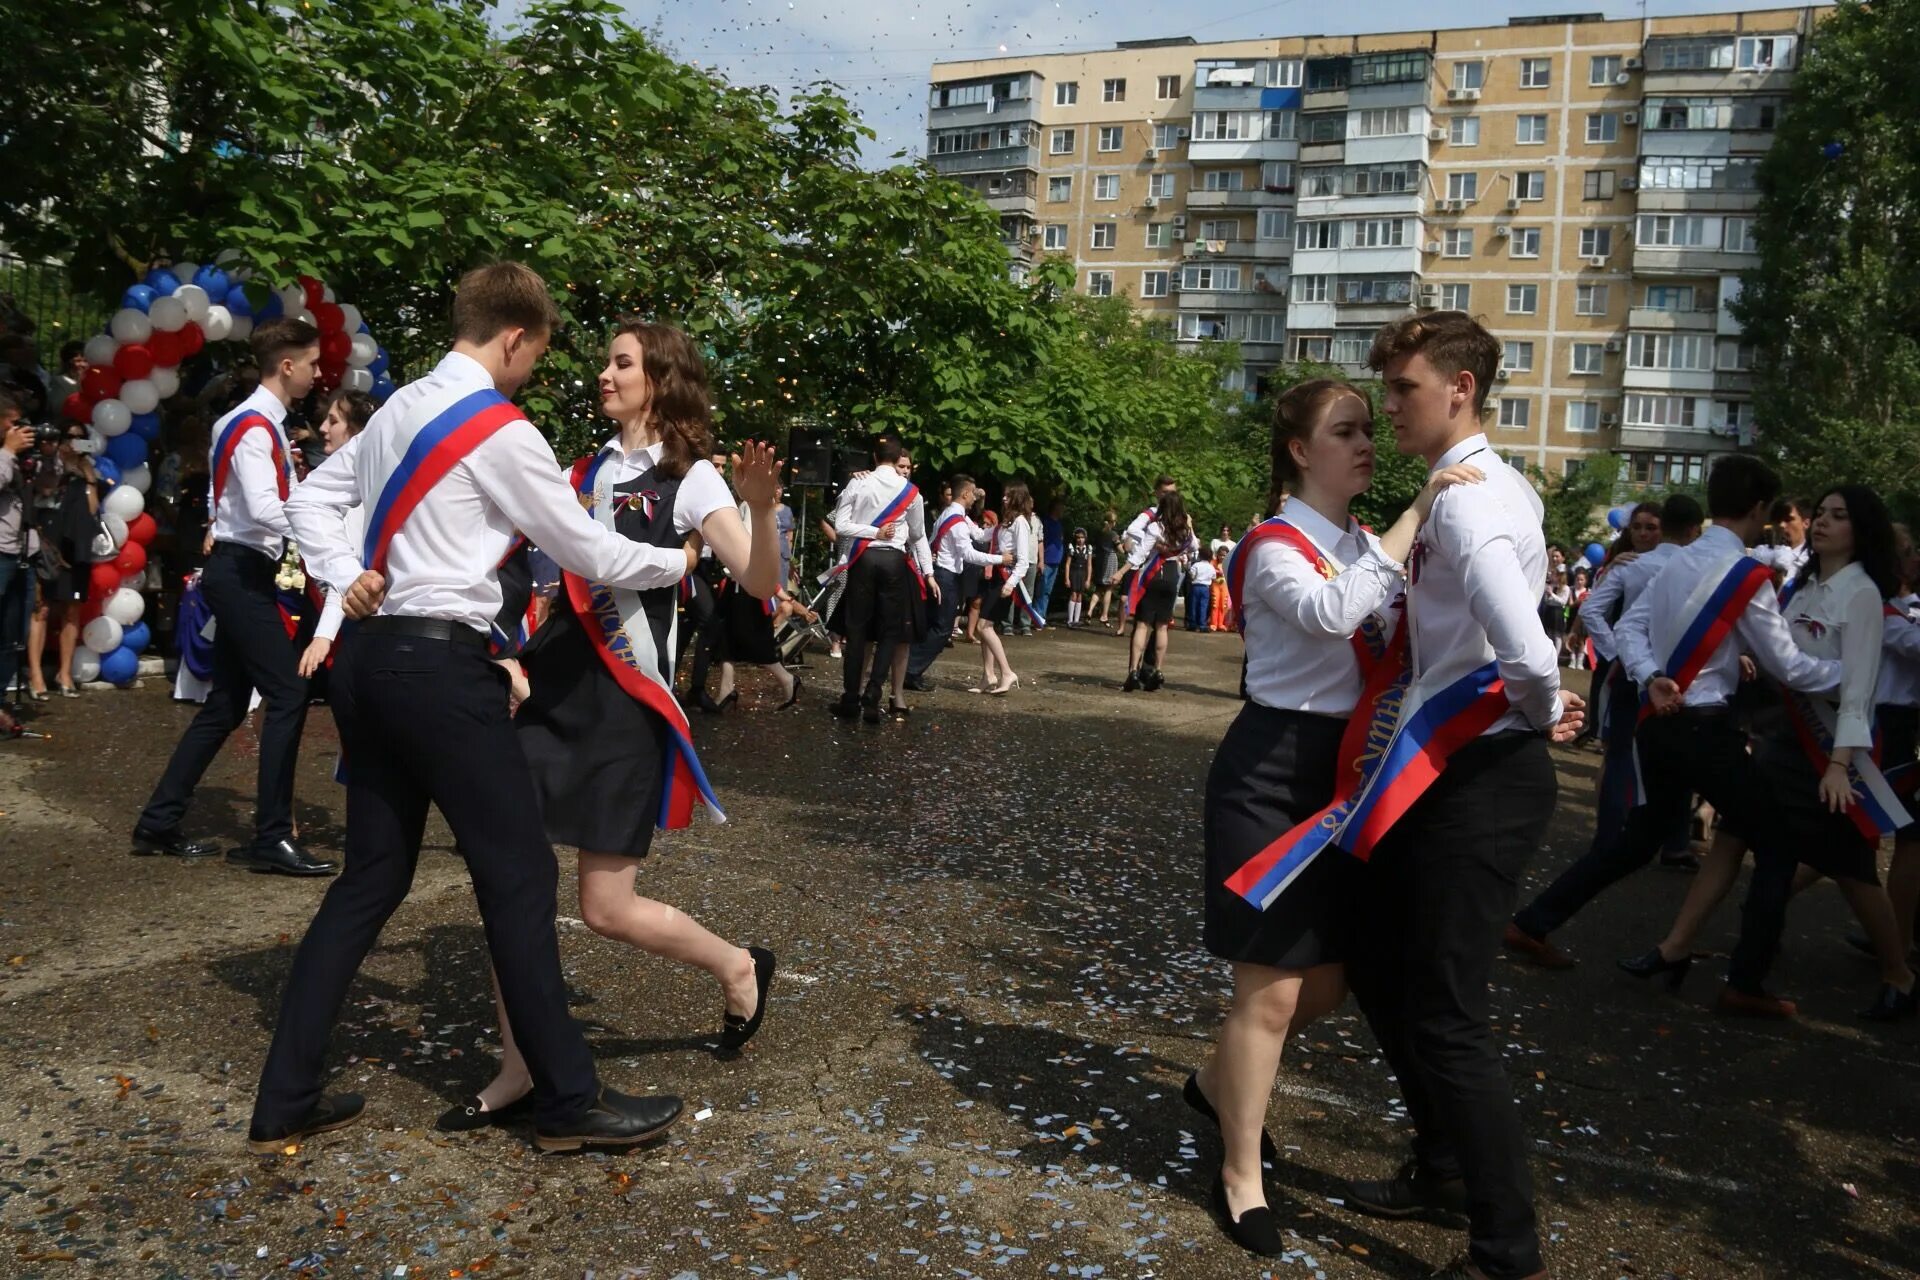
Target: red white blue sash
{"points": [[1369, 641], [230, 437], [1145, 575], [947, 524], [436, 449], [615, 621], [1026, 606], [895, 509]]}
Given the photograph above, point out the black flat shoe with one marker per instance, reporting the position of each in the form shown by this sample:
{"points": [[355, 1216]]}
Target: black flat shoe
{"points": [[1892, 1004], [614, 1120], [919, 684], [149, 843], [735, 1030], [1256, 1230], [870, 712], [472, 1114], [283, 857], [845, 708], [333, 1111], [1269, 1153], [1653, 964]]}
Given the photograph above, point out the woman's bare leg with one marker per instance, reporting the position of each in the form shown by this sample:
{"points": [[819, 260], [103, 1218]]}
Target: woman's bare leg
{"points": [[1718, 870]]}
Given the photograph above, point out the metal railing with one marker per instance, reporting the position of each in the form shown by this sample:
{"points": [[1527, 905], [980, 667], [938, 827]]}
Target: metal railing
{"points": [[37, 298]]}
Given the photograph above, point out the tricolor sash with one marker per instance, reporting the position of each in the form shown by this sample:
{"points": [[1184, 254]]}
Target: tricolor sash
{"points": [[1026, 606], [436, 449], [895, 509], [946, 526], [1144, 575], [1369, 641], [230, 437], [616, 623]]}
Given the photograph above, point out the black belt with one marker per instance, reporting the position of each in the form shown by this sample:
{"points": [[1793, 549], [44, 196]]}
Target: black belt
{"points": [[242, 549], [1712, 711], [423, 629]]}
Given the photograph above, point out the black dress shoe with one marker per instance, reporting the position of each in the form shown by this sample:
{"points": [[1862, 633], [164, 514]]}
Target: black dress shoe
{"points": [[1133, 682], [1256, 1230], [735, 1030], [1410, 1193], [1151, 679], [919, 684], [708, 705], [1269, 1153], [472, 1114], [283, 857], [846, 708], [333, 1111], [1686, 862], [615, 1120], [870, 711], [1892, 1004], [1653, 963], [147, 842]]}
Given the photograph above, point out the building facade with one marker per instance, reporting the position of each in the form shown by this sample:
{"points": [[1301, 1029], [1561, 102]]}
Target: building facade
{"points": [[1585, 187]]}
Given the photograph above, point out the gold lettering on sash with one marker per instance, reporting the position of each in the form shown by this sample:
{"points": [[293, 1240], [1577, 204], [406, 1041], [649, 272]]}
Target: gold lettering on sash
{"points": [[1382, 726]]}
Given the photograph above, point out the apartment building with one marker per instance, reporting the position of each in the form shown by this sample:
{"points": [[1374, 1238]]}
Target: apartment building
{"points": [[1584, 186]]}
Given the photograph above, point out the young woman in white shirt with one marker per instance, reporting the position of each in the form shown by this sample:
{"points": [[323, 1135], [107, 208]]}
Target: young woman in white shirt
{"points": [[1166, 547], [1276, 767], [1014, 533]]}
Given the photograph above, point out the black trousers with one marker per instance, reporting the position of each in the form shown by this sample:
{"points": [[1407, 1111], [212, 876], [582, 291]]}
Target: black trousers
{"points": [[945, 609], [250, 651], [872, 610], [1616, 771], [425, 721], [1427, 920]]}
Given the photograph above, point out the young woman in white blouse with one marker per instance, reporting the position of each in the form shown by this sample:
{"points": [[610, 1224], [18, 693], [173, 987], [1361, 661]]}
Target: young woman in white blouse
{"points": [[1013, 534], [1166, 546], [1275, 768]]}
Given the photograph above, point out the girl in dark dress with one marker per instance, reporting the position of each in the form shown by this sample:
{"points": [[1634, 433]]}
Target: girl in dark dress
{"points": [[1079, 577], [599, 755], [1166, 547]]}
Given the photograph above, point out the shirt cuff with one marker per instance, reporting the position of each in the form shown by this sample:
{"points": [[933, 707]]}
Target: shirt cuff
{"points": [[1853, 731]]}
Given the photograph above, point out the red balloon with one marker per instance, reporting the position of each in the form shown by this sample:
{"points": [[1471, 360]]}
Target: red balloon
{"points": [[335, 347], [142, 528], [132, 560], [328, 381], [168, 349], [191, 339], [315, 291], [132, 361], [100, 383], [92, 609], [103, 579], [328, 316], [77, 408]]}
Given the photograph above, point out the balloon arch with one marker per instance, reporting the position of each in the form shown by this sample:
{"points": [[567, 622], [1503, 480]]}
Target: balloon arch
{"points": [[133, 367]]}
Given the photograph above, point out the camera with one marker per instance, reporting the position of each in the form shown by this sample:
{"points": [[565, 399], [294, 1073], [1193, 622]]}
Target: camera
{"points": [[48, 433]]}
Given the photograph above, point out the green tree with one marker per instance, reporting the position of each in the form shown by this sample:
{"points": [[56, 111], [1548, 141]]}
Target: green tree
{"points": [[1576, 504], [1834, 307], [1397, 477]]}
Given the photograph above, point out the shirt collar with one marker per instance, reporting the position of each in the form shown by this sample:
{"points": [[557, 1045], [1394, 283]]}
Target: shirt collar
{"points": [[268, 404], [1472, 444], [1721, 536], [651, 452], [462, 369], [1313, 524]]}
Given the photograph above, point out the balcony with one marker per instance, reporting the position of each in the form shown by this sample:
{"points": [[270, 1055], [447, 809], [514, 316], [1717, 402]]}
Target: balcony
{"points": [[1713, 81], [1668, 381], [1226, 97], [1664, 321], [993, 160], [1227, 300], [1668, 200], [1241, 250], [1332, 152], [1252, 198], [1022, 205], [1733, 382], [1676, 439], [1659, 260], [1001, 112], [1370, 313], [1240, 150]]}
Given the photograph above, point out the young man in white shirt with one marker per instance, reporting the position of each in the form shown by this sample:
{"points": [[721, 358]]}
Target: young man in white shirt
{"points": [[1440, 885]]}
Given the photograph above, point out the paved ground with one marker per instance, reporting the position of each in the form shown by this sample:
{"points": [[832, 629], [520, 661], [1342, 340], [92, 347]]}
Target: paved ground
{"points": [[988, 924]]}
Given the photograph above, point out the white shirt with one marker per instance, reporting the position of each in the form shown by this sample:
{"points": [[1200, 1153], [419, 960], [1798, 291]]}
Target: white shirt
{"points": [[1149, 542], [1478, 565], [1760, 630], [1298, 624], [957, 549], [1203, 573], [1843, 618], [862, 501], [249, 511], [1621, 584], [1015, 536], [332, 614], [1783, 559], [1136, 532], [1219, 545], [442, 562], [1900, 656], [702, 490]]}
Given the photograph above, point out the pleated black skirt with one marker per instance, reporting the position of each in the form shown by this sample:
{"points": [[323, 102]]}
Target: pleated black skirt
{"points": [[1828, 842]]}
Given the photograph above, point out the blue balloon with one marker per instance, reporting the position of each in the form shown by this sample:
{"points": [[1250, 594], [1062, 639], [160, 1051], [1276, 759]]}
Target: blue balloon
{"points": [[1617, 518], [162, 281], [1834, 150], [146, 426], [1595, 553], [136, 637], [363, 328], [379, 364], [213, 280], [382, 388], [127, 451], [138, 296], [120, 666], [270, 308], [237, 301], [108, 470]]}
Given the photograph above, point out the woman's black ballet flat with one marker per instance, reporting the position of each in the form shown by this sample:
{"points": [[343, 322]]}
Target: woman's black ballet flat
{"points": [[471, 1115], [1256, 1230], [792, 697], [1892, 1004], [736, 1030], [1269, 1153], [1653, 964]]}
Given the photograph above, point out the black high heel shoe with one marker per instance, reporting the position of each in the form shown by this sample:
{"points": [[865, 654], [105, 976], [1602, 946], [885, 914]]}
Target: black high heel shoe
{"points": [[1892, 1004], [792, 697], [1269, 1153], [1256, 1230], [1653, 964]]}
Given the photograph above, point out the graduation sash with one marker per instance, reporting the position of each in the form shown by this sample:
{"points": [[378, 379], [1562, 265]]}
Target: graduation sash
{"points": [[1369, 641], [436, 449], [1146, 574], [946, 526], [616, 624], [895, 509], [230, 437], [1026, 606]]}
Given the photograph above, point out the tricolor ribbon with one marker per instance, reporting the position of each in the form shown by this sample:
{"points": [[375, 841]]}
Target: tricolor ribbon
{"points": [[1369, 640], [230, 437], [436, 449], [896, 508], [1144, 575]]}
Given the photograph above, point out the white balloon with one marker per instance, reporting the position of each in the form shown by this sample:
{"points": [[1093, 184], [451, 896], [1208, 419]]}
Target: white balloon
{"points": [[140, 395], [125, 501], [116, 527], [139, 478], [165, 380], [353, 317], [100, 348], [131, 326], [240, 275], [326, 293], [184, 272], [357, 380], [168, 314], [241, 329], [225, 258], [218, 324], [102, 635], [86, 666], [304, 314], [195, 300], [293, 299], [111, 418], [125, 607], [365, 351]]}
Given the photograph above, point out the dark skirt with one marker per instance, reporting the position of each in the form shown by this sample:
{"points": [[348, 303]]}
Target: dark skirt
{"points": [[1156, 602], [1079, 574], [1827, 842], [973, 580], [594, 752], [1274, 769], [747, 637], [1899, 744], [882, 590], [995, 607]]}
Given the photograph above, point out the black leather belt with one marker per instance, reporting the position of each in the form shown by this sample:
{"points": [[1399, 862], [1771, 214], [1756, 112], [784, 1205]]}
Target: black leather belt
{"points": [[423, 629]]}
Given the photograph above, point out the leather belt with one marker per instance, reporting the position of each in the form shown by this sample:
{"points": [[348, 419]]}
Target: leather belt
{"points": [[423, 629]]}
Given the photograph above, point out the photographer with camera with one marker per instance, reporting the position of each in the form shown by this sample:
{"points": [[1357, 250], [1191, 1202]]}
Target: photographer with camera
{"points": [[66, 516]]}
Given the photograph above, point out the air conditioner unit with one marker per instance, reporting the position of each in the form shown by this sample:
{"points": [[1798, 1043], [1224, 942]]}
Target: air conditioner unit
{"points": [[1630, 118], [1629, 184], [1180, 222], [1430, 296], [1151, 202], [1501, 375], [1513, 204], [1503, 231], [1633, 64], [1432, 246], [1609, 419], [1153, 153], [1436, 135], [1596, 261], [1184, 134], [1463, 95], [1179, 233], [1615, 346], [1623, 78]]}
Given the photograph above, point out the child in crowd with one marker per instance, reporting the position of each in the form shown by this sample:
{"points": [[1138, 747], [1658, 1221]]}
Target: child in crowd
{"points": [[1200, 595], [1079, 576]]}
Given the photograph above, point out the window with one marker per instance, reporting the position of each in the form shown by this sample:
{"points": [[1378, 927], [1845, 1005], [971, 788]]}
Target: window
{"points": [[1061, 142], [1324, 74], [1524, 243], [950, 141], [1066, 93], [1589, 358], [1530, 184], [1309, 289], [1227, 126], [1223, 180], [1319, 182], [1598, 185], [1602, 70], [1699, 173], [1373, 291], [1220, 229], [1669, 297], [1734, 414], [1517, 357], [1383, 179], [1283, 73], [1758, 114], [1059, 189], [1536, 73], [1530, 130], [1206, 328], [1596, 242], [1671, 231], [1737, 236], [1282, 125], [1583, 415], [1153, 284], [1463, 186], [1209, 278], [1670, 351], [1381, 122], [1379, 233], [1105, 235], [1099, 284], [1160, 186], [1166, 137], [1350, 347], [1310, 347], [1276, 175], [1389, 68], [1469, 75], [1159, 235], [1324, 126], [1523, 299], [1658, 470], [1590, 299], [1106, 186], [1693, 55], [1463, 131], [1763, 53], [1276, 224], [1660, 411], [1167, 89], [1733, 356], [1110, 135], [1603, 126], [1457, 243], [1456, 297], [1055, 236], [1316, 235], [1113, 90], [1516, 413]]}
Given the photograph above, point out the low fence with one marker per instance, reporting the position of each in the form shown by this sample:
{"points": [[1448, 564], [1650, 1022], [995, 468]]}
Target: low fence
{"points": [[36, 298]]}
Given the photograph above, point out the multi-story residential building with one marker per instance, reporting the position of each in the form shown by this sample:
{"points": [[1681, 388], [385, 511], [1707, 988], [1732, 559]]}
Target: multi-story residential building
{"points": [[1584, 186]]}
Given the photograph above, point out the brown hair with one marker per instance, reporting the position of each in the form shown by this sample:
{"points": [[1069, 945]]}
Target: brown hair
{"points": [[1296, 415], [1017, 499], [501, 296], [356, 407], [681, 408], [275, 339], [1176, 526], [1453, 343]]}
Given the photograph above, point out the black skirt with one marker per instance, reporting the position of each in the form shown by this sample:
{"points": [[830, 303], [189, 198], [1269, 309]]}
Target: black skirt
{"points": [[1828, 842], [1156, 602], [1899, 743], [972, 582], [995, 607], [1274, 769], [747, 636]]}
